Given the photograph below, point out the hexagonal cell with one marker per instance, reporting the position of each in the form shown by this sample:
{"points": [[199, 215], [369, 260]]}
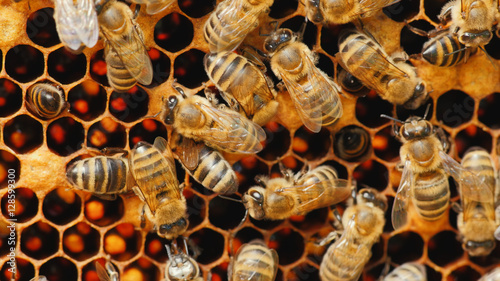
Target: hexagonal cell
{"points": [[309, 145], [141, 269], [161, 67], [24, 63], [206, 239], [61, 206], [296, 23], [11, 97], [65, 136], [493, 47], [41, 28], [329, 38], [405, 247], [281, 241], [106, 133], [59, 268], [87, 100], [402, 10], [472, 136], [432, 274], [444, 248], [369, 109], [39, 240], [244, 235], [25, 270], [122, 242], [174, 32], [282, 8], [433, 8], [312, 221], [289, 162], [129, 106], [326, 65], [89, 271], [373, 174], [225, 214], [103, 212], [352, 143], [341, 169], [65, 66], [385, 145], [246, 169], [486, 112], [81, 241], [23, 134], [197, 8], [197, 208], [277, 141], [219, 272], [98, 68], [403, 114], [189, 70], [454, 108], [411, 42], [24, 201], [303, 271], [10, 166], [147, 130], [464, 273], [154, 247]]}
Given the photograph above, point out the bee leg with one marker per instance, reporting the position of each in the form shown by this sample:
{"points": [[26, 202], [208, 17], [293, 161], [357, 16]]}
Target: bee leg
{"points": [[386, 269], [337, 220], [328, 239], [445, 15], [179, 88], [114, 150], [260, 181], [300, 33], [457, 207], [284, 171], [254, 55], [143, 216]]}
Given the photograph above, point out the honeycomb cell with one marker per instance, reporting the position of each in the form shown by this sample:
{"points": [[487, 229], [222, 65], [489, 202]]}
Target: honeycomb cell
{"points": [[61, 206], [87, 100], [288, 162], [89, 272], [277, 141], [197, 8], [98, 68], [24, 63], [433, 8], [196, 208], [147, 130], [25, 270], [493, 48], [464, 273], [281, 240], [377, 251], [405, 247], [372, 173], [22, 203], [402, 10], [432, 274], [454, 108], [141, 269], [303, 271], [174, 32], [103, 212], [369, 109], [411, 42], [246, 169], [189, 70], [211, 244], [311, 221], [161, 67], [39, 240], [303, 137], [65, 66], [23, 134], [11, 97], [220, 272], [154, 247], [65, 136], [353, 144], [326, 65], [341, 169], [9, 167], [487, 113], [41, 28], [245, 235], [81, 241], [444, 248], [472, 136], [129, 106], [122, 242], [225, 214], [282, 8], [329, 39], [106, 133], [310, 32], [403, 114], [59, 268], [388, 214], [266, 224]]}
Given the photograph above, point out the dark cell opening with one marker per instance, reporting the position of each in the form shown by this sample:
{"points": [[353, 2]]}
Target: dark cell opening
{"points": [[9, 166], [453, 216], [220, 272], [25, 206], [61, 206], [288, 162], [89, 271], [225, 214], [454, 108], [65, 66], [196, 208], [87, 100], [402, 10], [433, 9], [444, 248], [65, 136], [388, 214], [154, 247], [303, 271], [265, 224], [59, 269], [281, 241], [246, 169], [98, 68], [312, 221], [295, 25], [11, 97], [326, 65], [197, 8], [353, 144], [122, 242], [245, 235], [81, 241], [330, 36], [369, 109], [210, 242], [24, 63], [39, 240], [23, 134], [373, 174], [341, 169], [129, 106], [106, 133], [147, 130], [283, 8], [277, 141], [465, 273], [472, 136], [189, 70], [405, 247], [385, 145], [487, 111], [104, 212], [161, 67], [41, 28], [377, 251], [432, 275], [143, 269], [410, 41], [403, 113], [493, 48], [174, 32], [311, 146], [25, 270]]}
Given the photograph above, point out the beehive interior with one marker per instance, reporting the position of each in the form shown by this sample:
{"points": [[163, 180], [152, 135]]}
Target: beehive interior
{"points": [[77, 228]]}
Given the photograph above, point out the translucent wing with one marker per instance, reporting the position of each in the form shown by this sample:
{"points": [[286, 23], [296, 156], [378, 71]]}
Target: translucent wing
{"points": [[76, 24], [39, 278], [369, 6], [187, 150], [243, 83], [317, 99], [154, 6], [400, 207], [101, 272]]}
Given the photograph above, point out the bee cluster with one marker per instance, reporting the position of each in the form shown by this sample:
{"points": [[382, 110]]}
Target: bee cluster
{"points": [[119, 146]]}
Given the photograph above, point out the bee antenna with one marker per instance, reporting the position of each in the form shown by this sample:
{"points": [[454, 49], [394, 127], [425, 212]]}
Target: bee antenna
{"points": [[427, 111], [391, 118], [229, 198], [169, 253], [456, 51]]}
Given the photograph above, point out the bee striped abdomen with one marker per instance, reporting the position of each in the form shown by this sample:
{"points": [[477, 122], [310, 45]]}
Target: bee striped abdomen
{"points": [[431, 194], [255, 262], [214, 172], [149, 167], [444, 51], [480, 163], [118, 76], [341, 262], [407, 272], [45, 100]]}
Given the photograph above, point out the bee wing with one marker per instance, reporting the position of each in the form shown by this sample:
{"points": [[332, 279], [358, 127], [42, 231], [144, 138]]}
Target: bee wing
{"points": [[154, 7], [315, 98], [400, 207], [241, 87], [101, 272], [78, 23], [39, 278], [188, 152], [367, 6], [234, 130]]}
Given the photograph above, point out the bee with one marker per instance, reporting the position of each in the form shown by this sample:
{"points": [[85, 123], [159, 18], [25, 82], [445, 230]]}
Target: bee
{"points": [[206, 165], [363, 223], [352, 143], [280, 198], [409, 271], [46, 100], [232, 20], [239, 79], [104, 175], [108, 274], [493, 275], [181, 267], [39, 278], [343, 11], [76, 23], [154, 6], [394, 81], [153, 169], [194, 117], [127, 60], [253, 261], [314, 94]]}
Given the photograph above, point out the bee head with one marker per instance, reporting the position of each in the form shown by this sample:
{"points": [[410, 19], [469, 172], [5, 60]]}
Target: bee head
{"points": [[479, 248], [419, 96], [314, 12], [416, 127], [279, 38], [372, 196], [169, 107], [181, 267], [254, 202], [475, 38], [172, 230]]}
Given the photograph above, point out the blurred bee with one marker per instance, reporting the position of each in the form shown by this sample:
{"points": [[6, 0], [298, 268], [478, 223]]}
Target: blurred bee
{"points": [[253, 261], [240, 80], [104, 176], [352, 143], [39, 278], [46, 100], [315, 95], [232, 20], [343, 11], [108, 274], [280, 198], [493, 275], [154, 6], [409, 271], [153, 168], [221, 128], [181, 267], [126, 57], [206, 165], [396, 82], [76, 23], [363, 223]]}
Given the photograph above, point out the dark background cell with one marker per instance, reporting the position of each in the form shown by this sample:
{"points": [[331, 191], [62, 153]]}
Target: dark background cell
{"points": [[23, 134], [189, 70], [197, 8], [295, 24], [369, 109], [206, 238], [41, 28], [402, 10], [61, 206], [444, 248], [173, 32], [87, 100], [24, 63], [129, 106], [373, 174], [11, 97], [287, 236], [277, 141], [412, 43], [65, 66], [282, 8], [454, 108], [405, 247], [65, 136]]}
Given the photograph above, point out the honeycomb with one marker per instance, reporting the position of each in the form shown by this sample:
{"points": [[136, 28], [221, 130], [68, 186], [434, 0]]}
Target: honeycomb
{"points": [[61, 232]]}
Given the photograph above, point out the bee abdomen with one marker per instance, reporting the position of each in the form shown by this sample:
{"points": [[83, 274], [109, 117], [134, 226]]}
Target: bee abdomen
{"points": [[218, 35], [479, 162], [444, 51], [343, 262], [45, 100], [406, 272], [215, 173], [118, 76], [431, 194], [149, 167], [254, 262]]}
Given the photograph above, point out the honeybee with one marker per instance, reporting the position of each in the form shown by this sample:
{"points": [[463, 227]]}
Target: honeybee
{"points": [[76, 23], [46, 100], [253, 261], [239, 79], [343, 11], [194, 117], [409, 271], [280, 198], [39, 278], [352, 143], [315, 95], [363, 223], [206, 165], [231, 21], [105, 176], [108, 274], [394, 81], [493, 275], [181, 267], [127, 60], [153, 169], [154, 6]]}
